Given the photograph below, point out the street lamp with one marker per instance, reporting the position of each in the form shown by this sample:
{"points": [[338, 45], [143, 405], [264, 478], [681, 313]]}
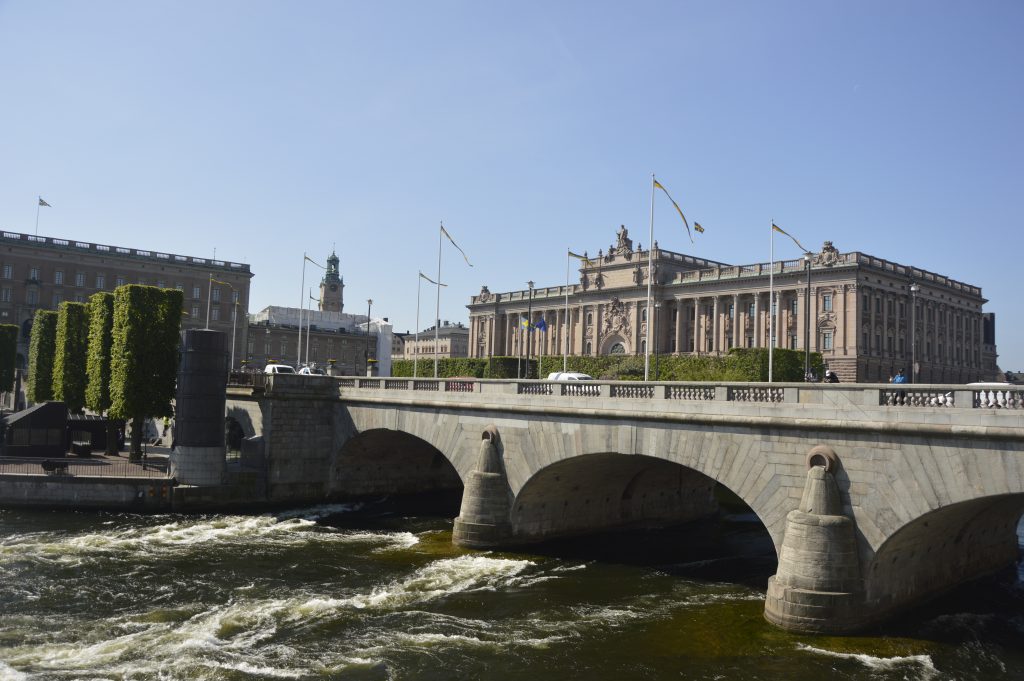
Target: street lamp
{"points": [[369, 306], [914, 288], [529, 325], [807, 320]]}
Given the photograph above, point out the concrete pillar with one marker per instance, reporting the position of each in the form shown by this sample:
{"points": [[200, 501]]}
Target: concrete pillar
{"points": [[716, 343], [198, 455], [698, 336], [818, 587], [487, 499], [758, 340], [680, 321]]}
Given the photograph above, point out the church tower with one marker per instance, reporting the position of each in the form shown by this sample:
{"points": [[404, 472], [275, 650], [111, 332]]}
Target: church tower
{"points": [[332, 287]]}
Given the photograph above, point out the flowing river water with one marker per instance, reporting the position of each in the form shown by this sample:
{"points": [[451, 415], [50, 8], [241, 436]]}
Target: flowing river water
{"points": [[372, 592]]}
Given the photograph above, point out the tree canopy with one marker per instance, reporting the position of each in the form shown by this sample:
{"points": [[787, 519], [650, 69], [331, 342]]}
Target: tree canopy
{"points": [[97, 367], [70, 355], [40, 356]]}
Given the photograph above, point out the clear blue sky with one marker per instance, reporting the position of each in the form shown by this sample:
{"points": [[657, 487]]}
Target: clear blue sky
{"points": [[263, 130]]}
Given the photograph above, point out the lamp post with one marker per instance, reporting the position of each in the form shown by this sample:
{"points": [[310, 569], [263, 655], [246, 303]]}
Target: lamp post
{"points": [[369, 306], [807, 320], [529, 326], [914, 288]]}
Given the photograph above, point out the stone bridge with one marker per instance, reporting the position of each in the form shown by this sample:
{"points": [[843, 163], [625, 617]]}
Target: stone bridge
{"points": [[876, 498]]}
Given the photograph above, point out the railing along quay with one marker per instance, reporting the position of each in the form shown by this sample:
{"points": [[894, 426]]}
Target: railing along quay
{"points": [[903, 396], [100, 467]]}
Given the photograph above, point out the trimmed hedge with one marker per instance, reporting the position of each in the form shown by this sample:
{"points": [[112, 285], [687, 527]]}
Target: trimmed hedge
{"points": [[70, 355], [101, 324], [40, 356], [745, 365]]}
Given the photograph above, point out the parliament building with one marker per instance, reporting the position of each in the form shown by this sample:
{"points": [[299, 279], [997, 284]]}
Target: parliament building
{"points": [[863, 312]]}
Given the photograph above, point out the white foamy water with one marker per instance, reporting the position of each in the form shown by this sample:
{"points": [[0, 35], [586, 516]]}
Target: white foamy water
{"points": [[924, 663], [181, 536]]}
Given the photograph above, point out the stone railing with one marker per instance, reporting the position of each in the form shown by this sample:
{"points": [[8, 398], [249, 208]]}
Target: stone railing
{"points": [[839, 395]]}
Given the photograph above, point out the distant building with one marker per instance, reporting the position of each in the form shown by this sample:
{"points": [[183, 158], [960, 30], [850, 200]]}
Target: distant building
{"points": [[862, 312], [452, 341], [39, 272], [329, 336]]}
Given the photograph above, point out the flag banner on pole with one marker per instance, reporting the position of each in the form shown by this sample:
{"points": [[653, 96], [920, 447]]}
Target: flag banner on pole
{"points": [[678, 210], [541, 325], [223, 283], [464, 256], [44, 203], [582, 258], [423, 276], [314, 262], [525, 323], [697, 227], [782, 231]]}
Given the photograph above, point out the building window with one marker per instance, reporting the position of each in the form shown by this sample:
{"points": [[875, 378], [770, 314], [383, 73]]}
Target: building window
{"points": [[57, 299], [590, 346], [643, 315], [792, 341], [195, 312], [750, 341], [864, 341], [195, 293], [590, 321], [878, 306], [750, 310], [617, 349], [215, 295], [284, 348], [119, 281], [732, 312], [794, 306], [251, 346], [867, 304], [8, 271], [826, 339], [826, 303], [159, 283], [774, 305], [79, 297], [888, 344], [878, 342], [316, 349], [5, 294], [58, 277], [215, 314], [266, 349], [234, 296], [101, 281], [179, 287], [32, 296], [903, 346]]}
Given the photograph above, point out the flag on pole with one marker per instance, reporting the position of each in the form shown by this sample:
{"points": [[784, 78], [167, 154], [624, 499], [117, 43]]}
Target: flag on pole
{"points": [[466, 258], [697, 227], [778, 229], [431, 280], [541, 325], [44, 203], [525, 323], [582, 258], [678, 210]]}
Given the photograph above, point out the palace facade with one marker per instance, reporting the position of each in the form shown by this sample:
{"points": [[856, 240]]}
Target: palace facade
{"points": [[863, 313], [40, 272]]}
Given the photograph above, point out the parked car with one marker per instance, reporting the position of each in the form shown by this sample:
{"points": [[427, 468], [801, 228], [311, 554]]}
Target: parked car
{"points": [[312, 371], [569, 376], [278, 369]]}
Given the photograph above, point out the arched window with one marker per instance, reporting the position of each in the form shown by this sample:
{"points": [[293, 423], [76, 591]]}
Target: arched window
{"points": [[617, 349], [590, 348], [590, 319], [643, 315], [643, 347]]}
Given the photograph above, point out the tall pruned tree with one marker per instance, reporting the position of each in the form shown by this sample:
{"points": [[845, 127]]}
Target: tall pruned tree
{"points": [[97, 365], [40, 356], [70, 355], [144, 355]]}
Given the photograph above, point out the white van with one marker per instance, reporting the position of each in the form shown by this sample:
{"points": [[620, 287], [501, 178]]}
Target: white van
{"points": [[278, 369], [569, 376]]}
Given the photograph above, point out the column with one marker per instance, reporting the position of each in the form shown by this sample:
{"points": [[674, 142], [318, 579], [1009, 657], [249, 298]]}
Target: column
{"points": [[716, 343], [697, 335], [735, 321], [679, 325], [841, 317], [758, 333]]}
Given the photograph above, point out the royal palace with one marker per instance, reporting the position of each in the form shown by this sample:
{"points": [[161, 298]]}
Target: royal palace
{"points": [[863, 313]]}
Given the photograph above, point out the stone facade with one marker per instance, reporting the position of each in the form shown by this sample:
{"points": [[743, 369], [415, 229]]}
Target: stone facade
{"points": [[861, 312], [452, 341], [39, 272]]}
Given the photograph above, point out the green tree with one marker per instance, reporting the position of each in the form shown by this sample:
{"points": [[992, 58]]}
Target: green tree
{"points": [[144, 355], [8, 355], [97, 366], [40, 356], [70, 355]]}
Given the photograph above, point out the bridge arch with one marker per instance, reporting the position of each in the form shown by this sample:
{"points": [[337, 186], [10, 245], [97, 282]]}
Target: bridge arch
{"points": [[382, 461], [942, 548]]}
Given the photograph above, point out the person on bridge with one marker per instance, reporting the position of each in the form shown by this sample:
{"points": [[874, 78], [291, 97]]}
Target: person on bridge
{"points": [[830, 376], [900, 377]]}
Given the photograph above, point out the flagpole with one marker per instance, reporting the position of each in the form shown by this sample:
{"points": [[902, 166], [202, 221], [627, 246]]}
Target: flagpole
{"points": [[308, 317], [209, 294], [39, 204], [416, 344], [771, 303], [650, 278], [565, 325], [437, 308], [302, 303], [234, 317]]}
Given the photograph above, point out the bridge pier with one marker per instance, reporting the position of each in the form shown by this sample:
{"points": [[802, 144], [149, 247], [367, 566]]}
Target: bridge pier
{"points": [[483, 520], [818, 587]]}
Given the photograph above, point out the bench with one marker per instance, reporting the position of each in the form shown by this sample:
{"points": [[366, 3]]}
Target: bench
{"points": [[55, 467]]}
